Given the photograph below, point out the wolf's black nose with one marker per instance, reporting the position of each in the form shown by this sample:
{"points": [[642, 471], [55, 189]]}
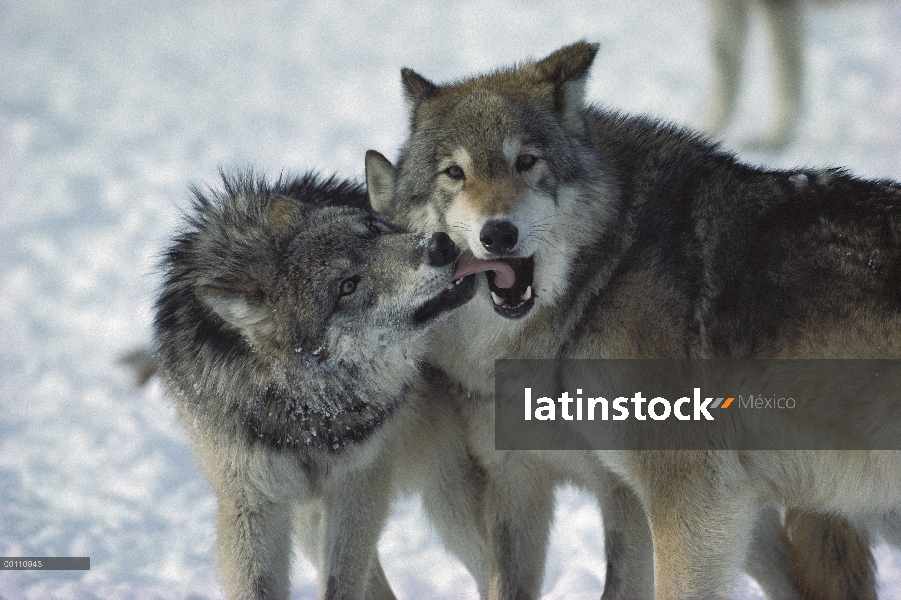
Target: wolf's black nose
{"points": [[499, 236], [442, 250]]}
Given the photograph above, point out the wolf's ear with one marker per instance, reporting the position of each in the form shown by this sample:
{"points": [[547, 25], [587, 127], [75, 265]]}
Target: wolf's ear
{"points": [[240, 306], [567, 71], [380, 182], [416, 87], [281, 209]]}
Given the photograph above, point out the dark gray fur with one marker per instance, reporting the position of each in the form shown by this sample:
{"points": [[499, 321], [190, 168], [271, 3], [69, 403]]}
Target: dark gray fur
{"points": [[271, 397]]}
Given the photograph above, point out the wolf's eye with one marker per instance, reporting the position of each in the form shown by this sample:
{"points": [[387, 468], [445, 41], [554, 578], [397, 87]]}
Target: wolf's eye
{"points": [[349, 286], [374, 229], [525, 162], [454, 172]]}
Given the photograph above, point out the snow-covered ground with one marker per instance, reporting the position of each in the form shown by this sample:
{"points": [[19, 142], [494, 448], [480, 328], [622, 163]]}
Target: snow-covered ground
{"points": [[109, 110]]}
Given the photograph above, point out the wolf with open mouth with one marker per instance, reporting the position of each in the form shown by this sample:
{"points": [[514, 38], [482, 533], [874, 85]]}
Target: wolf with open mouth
{"points": [[505, 165], [610, 236]]}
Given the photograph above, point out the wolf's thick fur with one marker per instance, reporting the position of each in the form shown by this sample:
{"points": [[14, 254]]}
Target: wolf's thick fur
{"points": [[636, 239], [288, 329]]}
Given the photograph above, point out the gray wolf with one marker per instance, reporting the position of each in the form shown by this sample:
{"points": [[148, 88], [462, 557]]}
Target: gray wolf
{"points": [[729, 25], [632, 238], [288, 329]]}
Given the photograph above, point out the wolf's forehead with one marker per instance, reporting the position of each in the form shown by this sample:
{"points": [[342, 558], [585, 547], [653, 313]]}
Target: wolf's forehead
{"points": [[320, 249], [488, 113], [314, 232], [490, 123]]}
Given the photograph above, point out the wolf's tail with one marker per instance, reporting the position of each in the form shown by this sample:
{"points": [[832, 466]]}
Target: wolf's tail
{"points": [[831, 558], [143, 364]]}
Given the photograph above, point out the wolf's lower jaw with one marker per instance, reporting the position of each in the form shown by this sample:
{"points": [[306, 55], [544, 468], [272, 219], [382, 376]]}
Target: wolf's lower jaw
{"points": [[457, 293]]}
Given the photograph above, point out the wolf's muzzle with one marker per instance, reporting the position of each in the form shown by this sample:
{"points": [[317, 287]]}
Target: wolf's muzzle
{"points": [[441, 250]]}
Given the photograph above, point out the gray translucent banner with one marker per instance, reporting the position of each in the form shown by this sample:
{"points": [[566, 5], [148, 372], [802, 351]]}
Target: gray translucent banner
{"points": [[698, 404], [45, 563]]}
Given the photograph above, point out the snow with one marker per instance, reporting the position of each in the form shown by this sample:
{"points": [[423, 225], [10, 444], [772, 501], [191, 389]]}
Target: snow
{"points": [[109, 110]]}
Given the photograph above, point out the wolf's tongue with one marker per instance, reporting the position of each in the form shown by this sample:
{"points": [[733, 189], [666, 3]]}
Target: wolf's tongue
{"points": [[467, 264]]}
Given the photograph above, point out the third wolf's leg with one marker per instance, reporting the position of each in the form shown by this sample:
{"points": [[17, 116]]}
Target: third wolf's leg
{"points": [[786, 25], [729, 28]]}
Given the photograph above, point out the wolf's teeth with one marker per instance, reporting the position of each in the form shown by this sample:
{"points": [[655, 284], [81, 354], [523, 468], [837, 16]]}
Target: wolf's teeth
{"points": [[526, 296], [497, 299], [451, 285]]}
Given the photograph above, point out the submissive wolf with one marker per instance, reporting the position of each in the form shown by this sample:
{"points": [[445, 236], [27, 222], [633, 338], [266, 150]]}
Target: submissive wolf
{"points": [[631, 238], [288, 330]]}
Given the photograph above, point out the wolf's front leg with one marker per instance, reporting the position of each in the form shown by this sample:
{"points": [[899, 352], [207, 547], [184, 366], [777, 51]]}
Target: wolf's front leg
{"points": [[627, 542], [355, 506], [519, 507], [453, 495], [254, 547], [702, 513]]}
